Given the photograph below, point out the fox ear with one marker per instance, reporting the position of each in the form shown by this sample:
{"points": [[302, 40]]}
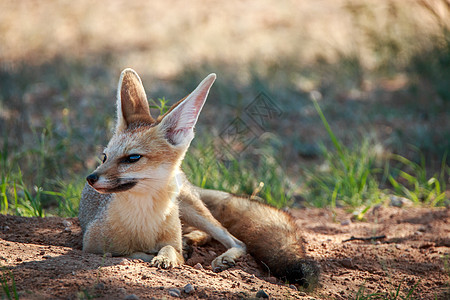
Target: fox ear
{"points": [[178, 123], [132, 104]]}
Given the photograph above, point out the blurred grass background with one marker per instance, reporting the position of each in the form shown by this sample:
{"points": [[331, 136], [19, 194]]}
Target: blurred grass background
{"points": [[378, 71]]}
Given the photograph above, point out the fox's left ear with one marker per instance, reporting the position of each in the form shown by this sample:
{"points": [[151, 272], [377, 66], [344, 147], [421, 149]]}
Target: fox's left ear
{"points": [[178, 123], [132, 104]]}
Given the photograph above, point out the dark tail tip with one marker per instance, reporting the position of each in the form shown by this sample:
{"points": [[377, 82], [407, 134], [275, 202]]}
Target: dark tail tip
{"points": [[305, 273]]}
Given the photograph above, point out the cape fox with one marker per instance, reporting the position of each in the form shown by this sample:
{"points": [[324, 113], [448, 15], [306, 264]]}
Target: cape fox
{"points": [[136, 201]]}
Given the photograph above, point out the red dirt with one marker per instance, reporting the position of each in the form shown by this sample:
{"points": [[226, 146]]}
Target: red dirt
{"points": [[45, 258]]}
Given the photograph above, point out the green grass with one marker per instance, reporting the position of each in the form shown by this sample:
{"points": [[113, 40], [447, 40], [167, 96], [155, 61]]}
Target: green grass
{"points": [[354, 177], [27, 195], [55, 117], [9, 289], [391, 295], [417, 185], [446, 262], [349, 177], [28, 198], [16, 196], [161, 104], [260, 176]]}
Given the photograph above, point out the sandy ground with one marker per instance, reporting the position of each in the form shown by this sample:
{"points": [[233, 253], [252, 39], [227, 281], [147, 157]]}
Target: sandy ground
{"points": [[45, 258]]}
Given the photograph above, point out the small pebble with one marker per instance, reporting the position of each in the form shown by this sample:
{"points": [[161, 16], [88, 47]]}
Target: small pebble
{"points": [[293, 287], [285, 209], [346, 222], [347, 263], [66, 223], [271, 279], [262, 294], [174, 292], [198, 266], [131, 297], [400, 201], [188, 288]]}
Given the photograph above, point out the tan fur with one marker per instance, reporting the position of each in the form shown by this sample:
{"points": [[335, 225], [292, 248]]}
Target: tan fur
{"points": [[137, 198], [135, 109], [270, 235], [193, 236], [139, 214], [195, 213]]}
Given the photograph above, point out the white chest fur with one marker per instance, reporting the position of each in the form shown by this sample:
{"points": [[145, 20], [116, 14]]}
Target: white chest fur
{"points": [[137, 221]]}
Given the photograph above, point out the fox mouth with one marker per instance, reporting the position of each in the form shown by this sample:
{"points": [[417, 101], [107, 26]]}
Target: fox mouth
{"points": [[117, 188]]}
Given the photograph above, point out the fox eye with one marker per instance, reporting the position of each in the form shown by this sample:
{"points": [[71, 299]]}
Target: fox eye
{"points": [[103, 158], [132, 158]]}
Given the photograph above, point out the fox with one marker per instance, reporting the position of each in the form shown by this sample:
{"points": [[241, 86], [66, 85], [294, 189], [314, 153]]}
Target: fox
{"points": [[139, 203]]}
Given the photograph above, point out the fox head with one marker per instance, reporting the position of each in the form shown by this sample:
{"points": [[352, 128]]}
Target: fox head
{"points": [[145, 153]]}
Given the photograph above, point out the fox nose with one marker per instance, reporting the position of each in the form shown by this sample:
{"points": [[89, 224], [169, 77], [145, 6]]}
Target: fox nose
{"points": [[93, 178]]}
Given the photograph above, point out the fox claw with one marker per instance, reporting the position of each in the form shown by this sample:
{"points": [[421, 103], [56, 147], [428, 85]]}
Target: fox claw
{"points": [[162, 262], [222, 263]]}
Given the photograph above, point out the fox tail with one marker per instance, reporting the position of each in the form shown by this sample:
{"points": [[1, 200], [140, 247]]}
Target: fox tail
{"points": [[271, 235]]}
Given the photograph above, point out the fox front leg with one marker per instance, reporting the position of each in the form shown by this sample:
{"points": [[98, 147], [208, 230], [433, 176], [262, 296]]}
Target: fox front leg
{"points": [[195, 213], [170, 245]]}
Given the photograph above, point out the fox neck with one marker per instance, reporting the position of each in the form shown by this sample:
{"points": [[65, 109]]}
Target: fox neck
{"points": [[139, 217]]}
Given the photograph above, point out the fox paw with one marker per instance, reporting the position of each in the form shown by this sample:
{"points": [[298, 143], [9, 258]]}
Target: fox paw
{"points": [[162, 262], [222, 263], [227, 259]]}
